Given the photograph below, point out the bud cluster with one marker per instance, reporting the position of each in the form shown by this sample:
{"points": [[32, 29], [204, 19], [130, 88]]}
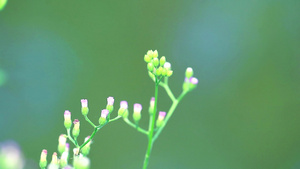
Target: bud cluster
{"points": [[63, 149], [190, 82], [157, 67]]}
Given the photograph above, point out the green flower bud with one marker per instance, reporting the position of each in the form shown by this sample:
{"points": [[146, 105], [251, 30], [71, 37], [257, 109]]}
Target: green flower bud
{"points": [[147, 58], [62, 143], [137, 108], [189, 72], [150, 66], [162, 61], [64, 159], [67, 121], [123, 111], [155, 54], [164, 72], [54, 162], [43, 159], [2, 4], [150, 53], [84, 107], [86, 149], [159, 71], [151, 107], [76, 129], [155, 62], [169, 73]]}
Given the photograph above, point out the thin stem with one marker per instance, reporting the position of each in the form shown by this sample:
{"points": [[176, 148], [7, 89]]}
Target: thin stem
{"points": [[71, 139], [135, 126], [114, 119], [169, 114], [151, 129], [92, 135], [88, 120], [169, 92]]}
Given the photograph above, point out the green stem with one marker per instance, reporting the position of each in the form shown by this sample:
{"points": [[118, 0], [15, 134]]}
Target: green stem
{"points": [[135, 126], [88, 120], [151, 129], [169, 114], [92, 135], [71, 139], [114, 119]]}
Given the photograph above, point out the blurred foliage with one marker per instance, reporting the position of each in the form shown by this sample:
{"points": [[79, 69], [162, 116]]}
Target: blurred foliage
{"points": [[244, 113]]}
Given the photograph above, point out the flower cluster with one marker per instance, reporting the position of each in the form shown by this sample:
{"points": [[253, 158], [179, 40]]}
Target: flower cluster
{"points": [[157, 67]]}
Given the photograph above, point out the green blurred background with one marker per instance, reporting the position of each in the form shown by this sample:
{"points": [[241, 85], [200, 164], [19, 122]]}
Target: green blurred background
{"points": [[243, 115]]}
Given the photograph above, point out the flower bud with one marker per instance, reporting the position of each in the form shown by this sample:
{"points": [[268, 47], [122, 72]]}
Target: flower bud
{"points": [[169, 73], [81, 162], [147, 58], [64, 159], [150, 53], [155, 62], [67, 117], [164, 72], [54, 160], [189, 72], [84, 107], [162, 61], [110, 104], [160, 119], [194, 82], [123, 111], [76, 129], [151, 107], [155, 54], [159, 71], [189, 83], [102, 119], [150, 66], [85, 150], [167, 65], [43, 159], [137, 108], [62, 143]]}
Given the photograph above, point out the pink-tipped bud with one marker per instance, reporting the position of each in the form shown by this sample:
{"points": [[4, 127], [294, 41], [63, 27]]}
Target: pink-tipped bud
{"points": [[84, 103], [160, 119], [102, 119], [194, 80], [124, 104], [54, 158], [84, 107], [67, 147], [151, 107], [161, 115], [137, 107], [104, 113], [76, 129], [76, 123], [67, 115], [43, 159], [110, 101]]}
